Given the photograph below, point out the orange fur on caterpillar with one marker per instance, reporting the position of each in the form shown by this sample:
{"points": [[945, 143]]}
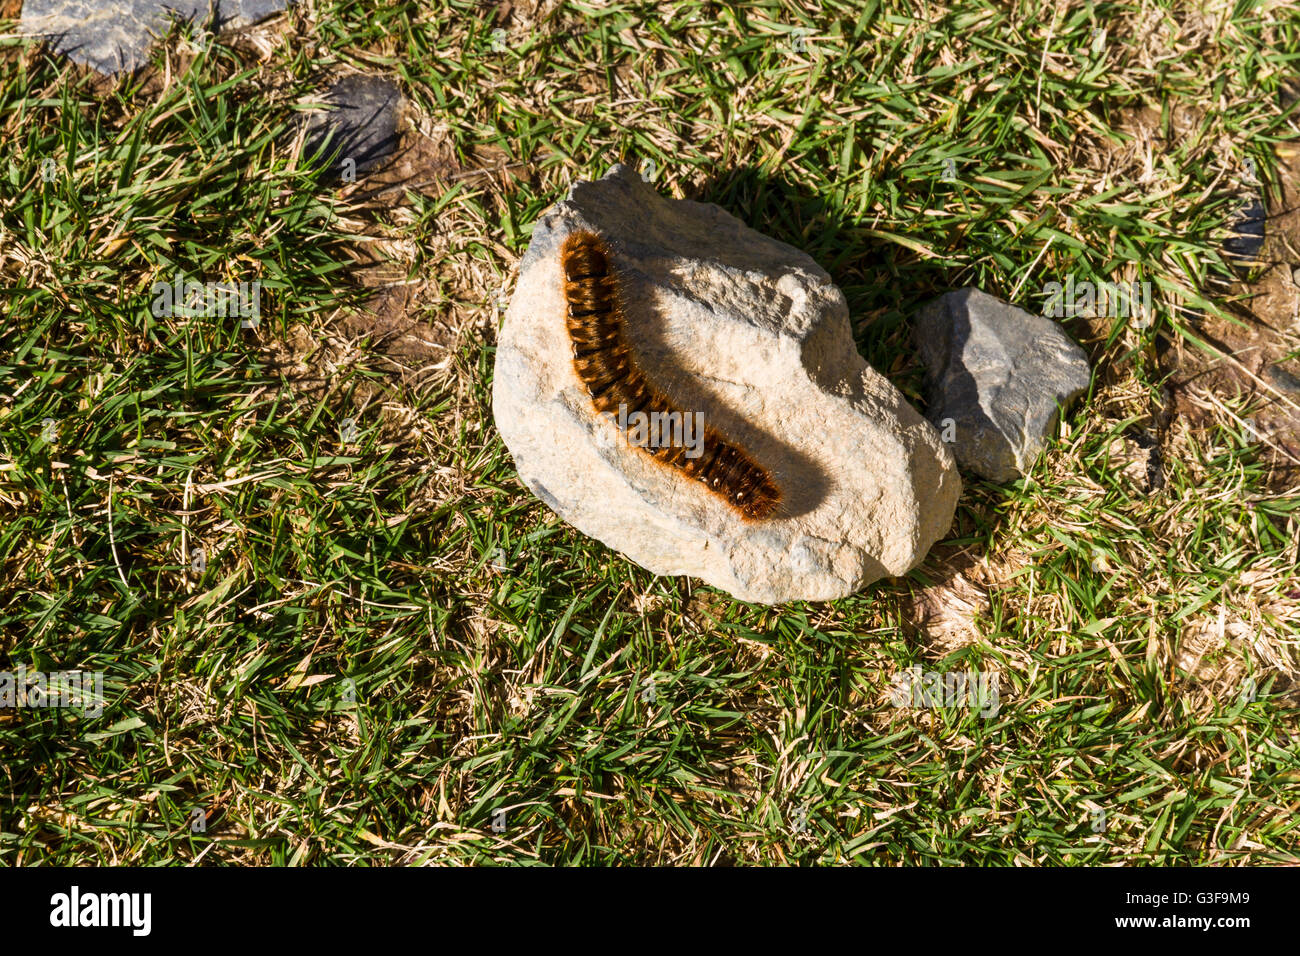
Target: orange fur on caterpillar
{"points": [[616, 383]]}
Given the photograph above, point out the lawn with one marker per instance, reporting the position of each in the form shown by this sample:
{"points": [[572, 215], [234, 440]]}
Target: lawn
{"points": [[333, 627]]}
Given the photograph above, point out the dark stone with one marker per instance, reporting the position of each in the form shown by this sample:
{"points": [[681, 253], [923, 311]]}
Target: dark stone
{"points": [[112, 36], [995, 375], [1247, 241], [1147, 442], [1283, 380], [359, 124]]}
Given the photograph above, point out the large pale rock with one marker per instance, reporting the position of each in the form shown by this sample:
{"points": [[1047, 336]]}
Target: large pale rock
{"points": [[753, 335]]}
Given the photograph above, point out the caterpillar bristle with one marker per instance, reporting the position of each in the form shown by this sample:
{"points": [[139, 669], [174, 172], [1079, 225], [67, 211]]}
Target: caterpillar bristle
{"points": [[612, 376]]}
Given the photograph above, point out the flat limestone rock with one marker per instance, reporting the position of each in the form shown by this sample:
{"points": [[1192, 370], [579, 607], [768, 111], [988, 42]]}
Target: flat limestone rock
{"points": [[995, 375], [752, 335], [115, 35]]}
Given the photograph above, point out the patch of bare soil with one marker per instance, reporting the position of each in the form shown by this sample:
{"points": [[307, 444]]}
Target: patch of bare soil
{"points": [[414, 322]]}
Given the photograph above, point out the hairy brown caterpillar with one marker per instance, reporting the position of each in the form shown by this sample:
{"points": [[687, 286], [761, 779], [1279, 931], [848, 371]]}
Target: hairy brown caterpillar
{"points": [[616, 383]]}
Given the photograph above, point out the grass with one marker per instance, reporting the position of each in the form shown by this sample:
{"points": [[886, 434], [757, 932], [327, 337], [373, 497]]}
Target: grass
{"points": [[388, 646]]}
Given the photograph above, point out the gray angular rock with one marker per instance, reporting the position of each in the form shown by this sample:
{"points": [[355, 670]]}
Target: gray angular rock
{"points": [[995, 375], [751, 334], [115, 35]]}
